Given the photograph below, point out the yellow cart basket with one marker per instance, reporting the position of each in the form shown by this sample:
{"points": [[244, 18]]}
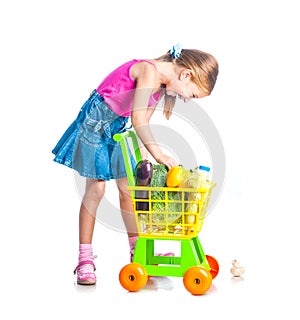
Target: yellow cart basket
{"points": [[172, 212]]}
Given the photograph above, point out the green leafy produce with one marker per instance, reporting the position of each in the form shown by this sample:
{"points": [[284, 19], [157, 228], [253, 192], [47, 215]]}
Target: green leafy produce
{"points": [[163, 214], [159, 175], [175, 206]]}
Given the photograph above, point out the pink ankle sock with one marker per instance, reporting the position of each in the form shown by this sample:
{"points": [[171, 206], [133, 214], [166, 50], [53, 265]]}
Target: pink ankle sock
{"points": [[85, 252]]}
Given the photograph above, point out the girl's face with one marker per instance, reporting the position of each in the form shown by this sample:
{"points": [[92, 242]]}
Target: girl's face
{"points": [[184, 87]]}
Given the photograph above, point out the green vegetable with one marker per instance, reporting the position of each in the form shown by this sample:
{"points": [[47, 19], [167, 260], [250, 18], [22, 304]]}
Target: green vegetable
{"points": [[167, 213], [159, 175], [175, 206]]}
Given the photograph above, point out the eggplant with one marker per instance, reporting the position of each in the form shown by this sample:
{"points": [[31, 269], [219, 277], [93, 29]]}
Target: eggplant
{"points": [[142, 205], [143, 174]]}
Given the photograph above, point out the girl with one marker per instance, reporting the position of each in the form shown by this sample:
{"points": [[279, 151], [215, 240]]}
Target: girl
{"points": [[132, 90]]}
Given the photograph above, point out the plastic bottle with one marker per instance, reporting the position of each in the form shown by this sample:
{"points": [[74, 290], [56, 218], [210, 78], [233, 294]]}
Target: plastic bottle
{"points": [[204, 176]]}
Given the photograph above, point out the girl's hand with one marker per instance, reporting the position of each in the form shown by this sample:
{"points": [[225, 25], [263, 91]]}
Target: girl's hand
{"points": [[169, 162]]}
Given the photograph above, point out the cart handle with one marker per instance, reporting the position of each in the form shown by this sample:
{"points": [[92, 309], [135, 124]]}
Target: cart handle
{"points": [[121, 137]]}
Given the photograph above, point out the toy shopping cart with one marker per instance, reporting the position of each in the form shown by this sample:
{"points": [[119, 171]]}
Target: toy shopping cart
{"points": [[173, 222]]}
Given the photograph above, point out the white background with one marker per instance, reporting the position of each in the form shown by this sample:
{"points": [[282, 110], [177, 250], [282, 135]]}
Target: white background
{"points": [[53, 53]]}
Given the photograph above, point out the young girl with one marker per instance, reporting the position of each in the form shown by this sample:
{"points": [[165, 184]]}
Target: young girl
{"points": [[132, 90]]}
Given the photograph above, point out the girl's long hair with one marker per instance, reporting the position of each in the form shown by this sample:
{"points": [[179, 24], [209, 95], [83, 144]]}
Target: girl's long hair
{"points": [[204, 68]]}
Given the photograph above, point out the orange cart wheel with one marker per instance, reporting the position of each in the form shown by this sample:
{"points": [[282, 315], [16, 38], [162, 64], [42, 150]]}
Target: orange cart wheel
{"points": [[133, 277], [197, 280], [214, 266]]}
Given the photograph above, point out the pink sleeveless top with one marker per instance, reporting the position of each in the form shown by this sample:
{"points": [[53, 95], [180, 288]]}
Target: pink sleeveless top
{"points": [[117, 90]]}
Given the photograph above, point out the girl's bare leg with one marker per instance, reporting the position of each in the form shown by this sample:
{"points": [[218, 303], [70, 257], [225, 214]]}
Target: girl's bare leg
{"points": [[126, 208], [93, 194]]}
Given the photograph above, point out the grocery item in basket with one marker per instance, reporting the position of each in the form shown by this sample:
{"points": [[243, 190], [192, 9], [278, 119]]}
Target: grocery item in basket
{"points": [[163, 213], [196, 179], [159, 175], [142, 205], [143, 175], [169, 209], [174, 177], [204, 176]]}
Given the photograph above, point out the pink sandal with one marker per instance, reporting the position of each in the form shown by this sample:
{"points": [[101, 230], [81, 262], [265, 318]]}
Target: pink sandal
{"points": [[86, 272]]}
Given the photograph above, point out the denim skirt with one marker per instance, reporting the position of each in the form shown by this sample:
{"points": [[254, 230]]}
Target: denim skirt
{"points": [[88, 147]]}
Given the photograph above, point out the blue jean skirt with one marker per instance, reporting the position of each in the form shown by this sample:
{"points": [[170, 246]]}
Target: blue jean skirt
{"points": [[88, 147]]}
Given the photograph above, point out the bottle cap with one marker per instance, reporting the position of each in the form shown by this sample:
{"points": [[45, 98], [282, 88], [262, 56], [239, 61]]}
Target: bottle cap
{"points": [[204, 168]]}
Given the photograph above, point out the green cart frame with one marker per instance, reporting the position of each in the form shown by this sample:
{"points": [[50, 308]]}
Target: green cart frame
{"points": [[196, 268]]}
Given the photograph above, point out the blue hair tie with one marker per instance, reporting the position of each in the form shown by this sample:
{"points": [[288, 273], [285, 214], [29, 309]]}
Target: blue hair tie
{"points": [[175, 51]]}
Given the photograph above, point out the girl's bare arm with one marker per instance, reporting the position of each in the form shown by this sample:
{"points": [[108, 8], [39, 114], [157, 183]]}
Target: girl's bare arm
{"points": [[141, 114]]}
